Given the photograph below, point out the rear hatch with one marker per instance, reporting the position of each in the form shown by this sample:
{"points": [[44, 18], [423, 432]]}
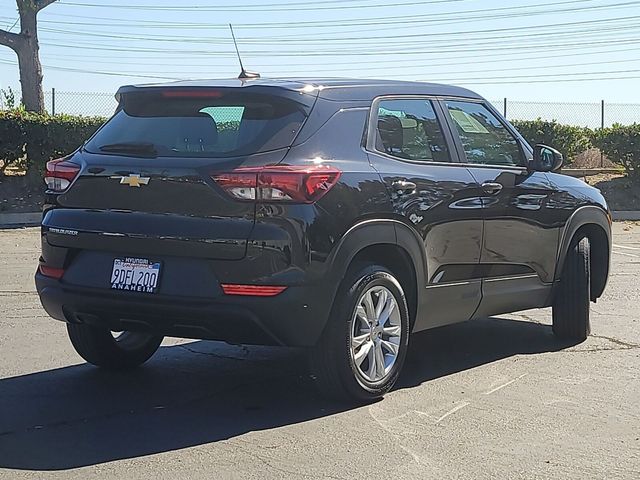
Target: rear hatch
{"points": [[147, 184]]}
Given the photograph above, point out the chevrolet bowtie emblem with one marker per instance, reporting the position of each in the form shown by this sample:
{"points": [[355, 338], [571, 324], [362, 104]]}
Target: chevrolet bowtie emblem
{"points": [[133, 180]]}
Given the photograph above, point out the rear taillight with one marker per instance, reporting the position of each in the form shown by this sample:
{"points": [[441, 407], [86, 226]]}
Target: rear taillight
{"points": [[60, 173], [292, 184]]}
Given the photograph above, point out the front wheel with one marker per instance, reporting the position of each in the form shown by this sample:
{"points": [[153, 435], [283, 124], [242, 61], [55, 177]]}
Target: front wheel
{"points": [[103, 348], [572, 297], [363, 347]]}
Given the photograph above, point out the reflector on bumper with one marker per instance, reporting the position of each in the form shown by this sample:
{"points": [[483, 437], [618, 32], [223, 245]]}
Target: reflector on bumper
{"points": [[253, 290]]}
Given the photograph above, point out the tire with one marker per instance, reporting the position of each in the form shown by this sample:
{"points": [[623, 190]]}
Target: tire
{"points": [[100, 347], [572, 297], [347, 362]]}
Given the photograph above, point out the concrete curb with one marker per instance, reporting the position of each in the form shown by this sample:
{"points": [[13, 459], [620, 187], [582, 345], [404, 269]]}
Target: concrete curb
{"points": [[626, 215], [16, 220], [587, 172]]}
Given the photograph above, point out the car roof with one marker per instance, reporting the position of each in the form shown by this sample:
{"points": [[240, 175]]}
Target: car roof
{"points": [[339, 89]]}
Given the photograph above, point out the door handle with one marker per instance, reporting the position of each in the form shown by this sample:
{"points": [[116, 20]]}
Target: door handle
{"points": [[403, 186], [492, 188]]}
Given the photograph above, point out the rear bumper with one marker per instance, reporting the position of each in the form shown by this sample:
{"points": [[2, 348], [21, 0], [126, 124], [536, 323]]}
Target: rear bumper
{"points": [[296, 317]]}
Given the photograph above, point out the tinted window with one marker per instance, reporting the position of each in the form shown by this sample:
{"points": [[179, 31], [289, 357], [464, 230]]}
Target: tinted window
{"points": [[484, 138], [182, 126], [409, 129]]}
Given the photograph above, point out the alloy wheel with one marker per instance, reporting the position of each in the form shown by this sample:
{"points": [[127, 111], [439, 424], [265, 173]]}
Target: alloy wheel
{"points": [[376, 331]]}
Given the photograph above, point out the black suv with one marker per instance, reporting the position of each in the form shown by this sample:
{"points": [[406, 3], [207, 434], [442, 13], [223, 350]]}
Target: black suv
{"points": [[339, 215]]}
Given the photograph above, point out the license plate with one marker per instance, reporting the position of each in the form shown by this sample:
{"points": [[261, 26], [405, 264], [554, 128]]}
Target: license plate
{"points": [[135, 275]]}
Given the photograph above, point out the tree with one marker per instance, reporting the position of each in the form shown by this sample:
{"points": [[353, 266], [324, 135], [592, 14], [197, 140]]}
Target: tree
{"points": [[25, 44]]}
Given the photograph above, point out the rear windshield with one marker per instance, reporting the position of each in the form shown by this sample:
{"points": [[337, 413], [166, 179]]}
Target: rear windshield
{"points": [[212, 124]]}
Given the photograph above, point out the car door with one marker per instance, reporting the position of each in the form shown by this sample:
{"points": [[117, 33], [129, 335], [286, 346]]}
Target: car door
{"points": [[434, 195], [520, 237]]}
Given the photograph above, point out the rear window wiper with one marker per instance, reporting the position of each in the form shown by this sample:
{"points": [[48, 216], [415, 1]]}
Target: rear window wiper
{"points": [[140, 148]]}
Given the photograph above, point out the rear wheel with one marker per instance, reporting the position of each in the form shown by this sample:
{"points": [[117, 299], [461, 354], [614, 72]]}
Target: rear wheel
{"points": [[363, 347], [572, 297], [115, 351]]}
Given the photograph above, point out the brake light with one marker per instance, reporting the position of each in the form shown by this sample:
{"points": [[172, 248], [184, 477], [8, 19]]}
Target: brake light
{"points": [[253, 290], [51, 272], [192, 94], [60, 173], [287, 183]]}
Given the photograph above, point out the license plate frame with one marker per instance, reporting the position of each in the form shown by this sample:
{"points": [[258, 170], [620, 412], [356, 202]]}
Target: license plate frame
{"points": [[135, 274]]}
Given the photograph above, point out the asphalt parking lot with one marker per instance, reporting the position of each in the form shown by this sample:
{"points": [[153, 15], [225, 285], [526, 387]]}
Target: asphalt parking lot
{"points": [[495, 398]]}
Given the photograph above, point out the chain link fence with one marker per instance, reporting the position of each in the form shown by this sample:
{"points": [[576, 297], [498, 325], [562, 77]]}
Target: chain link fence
{"points": [[579, 114], [97, 104], [582, 114], [90, 104]]}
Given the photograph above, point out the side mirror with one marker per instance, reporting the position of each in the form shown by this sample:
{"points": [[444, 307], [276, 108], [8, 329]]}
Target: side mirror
{"points": [[546, 159]]}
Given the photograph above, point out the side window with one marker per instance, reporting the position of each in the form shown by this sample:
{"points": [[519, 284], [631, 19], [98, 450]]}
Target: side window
{"points": [[409, 129], [485, 139]]}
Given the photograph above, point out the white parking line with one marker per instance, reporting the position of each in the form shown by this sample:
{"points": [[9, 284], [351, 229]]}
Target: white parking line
{"points": [[627, 254], [452, 411], [493, 390], [625, 246]]}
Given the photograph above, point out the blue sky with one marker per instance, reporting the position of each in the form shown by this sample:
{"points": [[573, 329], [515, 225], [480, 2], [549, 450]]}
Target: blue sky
{"points": [[527, 50]]}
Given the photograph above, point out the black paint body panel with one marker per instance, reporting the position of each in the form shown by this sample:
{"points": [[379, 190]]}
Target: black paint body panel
{"points": [[473, 254]]}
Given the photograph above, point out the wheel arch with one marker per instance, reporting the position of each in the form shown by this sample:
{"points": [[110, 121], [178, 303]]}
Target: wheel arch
{"points": [[594, 224], [389, 243]]}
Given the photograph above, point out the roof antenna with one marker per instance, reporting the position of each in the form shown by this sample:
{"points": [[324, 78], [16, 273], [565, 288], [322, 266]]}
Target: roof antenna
{"points": [[244, 75]]}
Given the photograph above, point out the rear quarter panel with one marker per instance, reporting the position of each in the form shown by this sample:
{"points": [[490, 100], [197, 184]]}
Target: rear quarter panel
{"points": [[307, 236]]}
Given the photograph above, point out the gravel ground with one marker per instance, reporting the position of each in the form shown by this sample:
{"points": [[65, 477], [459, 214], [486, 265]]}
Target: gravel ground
{"points": [[494, 398]]}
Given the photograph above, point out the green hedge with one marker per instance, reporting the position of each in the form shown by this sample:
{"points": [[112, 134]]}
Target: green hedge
{"points": [[571, 141], [621, 143], [29, 140]]}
